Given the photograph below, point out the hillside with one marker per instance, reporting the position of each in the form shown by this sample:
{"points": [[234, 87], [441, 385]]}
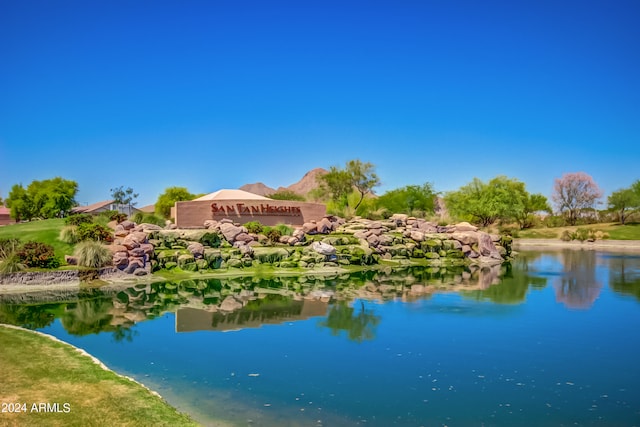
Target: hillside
{"points": [[307, 183]]}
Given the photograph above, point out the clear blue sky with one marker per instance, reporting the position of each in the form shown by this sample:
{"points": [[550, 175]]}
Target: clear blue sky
{"points": [[215, 94]]}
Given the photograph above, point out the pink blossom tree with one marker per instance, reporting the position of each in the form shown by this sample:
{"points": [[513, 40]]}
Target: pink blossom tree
{"points": [[574, 192]]}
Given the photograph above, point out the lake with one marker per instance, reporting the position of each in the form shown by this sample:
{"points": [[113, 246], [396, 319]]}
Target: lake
{"points": [[551, 339]]}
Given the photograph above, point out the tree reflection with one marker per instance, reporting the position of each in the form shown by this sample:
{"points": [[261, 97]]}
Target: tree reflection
{"points": [[27, 316], [578, 286], [514, 284], [624, 275], [359, 327], [92, 317]]}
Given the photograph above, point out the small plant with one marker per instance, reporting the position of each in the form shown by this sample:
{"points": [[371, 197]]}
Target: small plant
{"points": [[566, 236], [284, 229], [69, 234], [11, 264], [254, 227], [93, 255], [581, 234], [8, 247], [78, 219], [94, 232], [273, 234], [37, 254]]}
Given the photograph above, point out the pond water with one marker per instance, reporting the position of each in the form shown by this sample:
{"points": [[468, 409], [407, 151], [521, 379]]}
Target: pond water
{"points": [[551, 339]]}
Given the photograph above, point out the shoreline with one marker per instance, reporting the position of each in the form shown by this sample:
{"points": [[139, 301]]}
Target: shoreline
{"points": [[632, 246]]}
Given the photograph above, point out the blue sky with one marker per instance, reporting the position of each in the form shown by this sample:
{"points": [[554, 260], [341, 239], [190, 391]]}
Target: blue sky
{"points": [[216, 94]]}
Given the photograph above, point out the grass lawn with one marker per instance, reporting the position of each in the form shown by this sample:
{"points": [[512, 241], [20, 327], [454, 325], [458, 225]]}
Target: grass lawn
{"points": [[615, 231], [46, 231], [36, 369]]}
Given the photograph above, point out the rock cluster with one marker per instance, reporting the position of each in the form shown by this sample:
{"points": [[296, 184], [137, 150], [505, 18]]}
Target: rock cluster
{"points": [[132, 252]]}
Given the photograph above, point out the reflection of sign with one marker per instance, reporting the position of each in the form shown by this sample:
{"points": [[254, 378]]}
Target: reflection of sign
{"points": [[261, 209]]}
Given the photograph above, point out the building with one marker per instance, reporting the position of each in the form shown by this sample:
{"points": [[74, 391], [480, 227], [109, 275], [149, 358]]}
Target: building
{"points": [[106, 205], [241, 207], [5, 216]]}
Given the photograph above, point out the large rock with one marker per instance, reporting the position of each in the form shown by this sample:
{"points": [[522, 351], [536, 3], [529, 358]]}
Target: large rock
{"points": [[230, 231], [324, 226], [465, 226], [147, 248], [466, 237], [70, 260], [121, 260], [145, 226], [418, 236], [486, 247], [127, 225], [196, 249], [323, 248]]}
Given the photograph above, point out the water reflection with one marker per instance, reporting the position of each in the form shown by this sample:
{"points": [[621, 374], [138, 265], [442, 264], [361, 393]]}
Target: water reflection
{"points": [[578, 286], [624, 274], [249, 302]]}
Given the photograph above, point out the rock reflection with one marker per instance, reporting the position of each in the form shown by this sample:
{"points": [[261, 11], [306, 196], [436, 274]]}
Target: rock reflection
{"points": [[245, 302], [577, 287]]}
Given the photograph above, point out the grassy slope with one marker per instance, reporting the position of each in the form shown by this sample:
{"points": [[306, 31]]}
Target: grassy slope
{"points": [[46, 231], [615, 231], [37, 369]]}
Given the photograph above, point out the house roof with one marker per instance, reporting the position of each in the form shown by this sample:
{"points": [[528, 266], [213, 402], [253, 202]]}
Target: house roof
{"points": [[5, 210], [147, 209], [90, 208], [226, 194]]}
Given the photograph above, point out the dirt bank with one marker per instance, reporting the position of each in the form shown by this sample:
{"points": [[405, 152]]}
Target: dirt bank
{"points": [[599, 245]]}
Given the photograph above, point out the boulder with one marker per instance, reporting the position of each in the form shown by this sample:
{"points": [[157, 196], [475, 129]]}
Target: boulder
{"points": [[127, 225], [486, 247], [137, 252], [116, 248], [230, 304], [130, 243], [244, 237], [210, 224], [140, 272], [399, 219], [465, 226], [230, 231], [147, 227], [120, 231], [147, 248], [466, 237], [71, 260], [418, 236], [323, 248], [310, 227], [196, 249], [324, 226]]}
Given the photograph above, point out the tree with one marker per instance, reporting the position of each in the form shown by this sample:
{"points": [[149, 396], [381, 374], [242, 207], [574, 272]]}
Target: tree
{"points": [[574, 192], [485, 203], [169, 198], [50, 198], [286, 195], [531, 204], [624, 200], [339, 183], [122, 196], [409, 199]]}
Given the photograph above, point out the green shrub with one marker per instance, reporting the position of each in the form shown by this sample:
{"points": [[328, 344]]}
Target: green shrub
{"points": [[211, 239], [78, 219], [284, 229], [273, 234], [554, 221], [148, 218], [94, 232], [92, 254], [8, 247], [37, 254], [566, 236], [286, 195], [581, 234], [11, 264], [254, 227], [69, 234]]}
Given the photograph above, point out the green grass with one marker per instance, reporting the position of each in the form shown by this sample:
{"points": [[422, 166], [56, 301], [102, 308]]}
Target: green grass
{"points": [[625, 232], [614, 230], [37, 369], [46, 231]]}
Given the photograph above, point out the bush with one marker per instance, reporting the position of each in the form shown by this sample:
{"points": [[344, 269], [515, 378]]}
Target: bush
{"points": [[581, 234], [254, 227], [78, 219], [554, 221], [36, 254], [113, 216], [8, 247], [94, 232], [11, 264], [93, 255], [284, 229], [148, 218], [272, 234], [69, 234], [286, 195], [566, 236]]}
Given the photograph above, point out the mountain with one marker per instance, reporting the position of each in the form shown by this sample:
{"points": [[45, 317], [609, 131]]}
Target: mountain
{"points": [[257, 188], [302, 187]]}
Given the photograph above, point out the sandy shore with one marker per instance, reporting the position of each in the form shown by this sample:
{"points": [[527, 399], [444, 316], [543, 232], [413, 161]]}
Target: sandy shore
{"points": [[599, 245]]}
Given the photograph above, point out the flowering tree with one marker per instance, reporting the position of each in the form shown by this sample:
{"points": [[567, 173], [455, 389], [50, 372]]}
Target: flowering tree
{"points": [[574, 192]]}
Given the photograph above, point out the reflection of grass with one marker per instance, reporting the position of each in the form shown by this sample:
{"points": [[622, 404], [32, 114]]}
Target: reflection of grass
{"points": [[42, 370]]}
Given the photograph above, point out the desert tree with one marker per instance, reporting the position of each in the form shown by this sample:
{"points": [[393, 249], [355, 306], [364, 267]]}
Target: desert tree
{"points": [[574, 192]]}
